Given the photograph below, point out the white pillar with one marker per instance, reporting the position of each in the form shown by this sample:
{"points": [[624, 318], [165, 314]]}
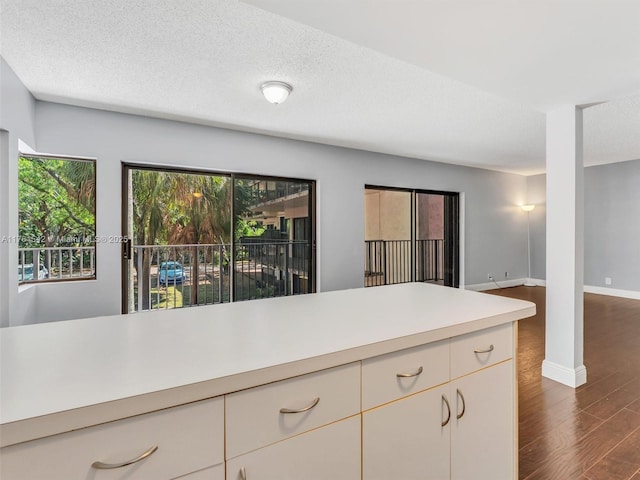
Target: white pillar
{"points": [[8, 228], [565, 248]]}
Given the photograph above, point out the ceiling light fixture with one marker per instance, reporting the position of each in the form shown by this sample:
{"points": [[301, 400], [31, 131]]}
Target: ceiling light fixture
{"points": [[276, 92]]}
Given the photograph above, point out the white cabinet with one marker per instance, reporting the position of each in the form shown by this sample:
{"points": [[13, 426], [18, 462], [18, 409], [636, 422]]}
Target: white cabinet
{"points": [[484, 439], [395, 375], [212, 473], [188, 438], [465, 428], [342, 385], [305, 427], [406, 439], [263, 415], [330, 452]]}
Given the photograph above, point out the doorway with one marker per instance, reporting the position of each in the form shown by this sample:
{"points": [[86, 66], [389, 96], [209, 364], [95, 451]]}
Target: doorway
{"points": [[411, 236], [201, 238]]}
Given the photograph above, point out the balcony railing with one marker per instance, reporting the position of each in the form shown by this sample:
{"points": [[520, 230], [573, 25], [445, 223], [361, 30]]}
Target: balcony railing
{"points": [[56, 263], [390, 261], [265, 191], [175, 276]]}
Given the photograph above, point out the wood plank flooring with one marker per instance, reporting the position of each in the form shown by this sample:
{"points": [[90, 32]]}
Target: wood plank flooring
{"points": [[592, 432]]}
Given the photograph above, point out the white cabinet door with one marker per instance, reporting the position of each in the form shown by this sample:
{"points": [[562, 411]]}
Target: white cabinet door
{"points": [[406, 439], [213, 473], [327, 453], [483, 439]]}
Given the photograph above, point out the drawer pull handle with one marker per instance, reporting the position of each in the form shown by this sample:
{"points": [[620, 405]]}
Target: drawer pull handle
{"points": [[464, 404], [302, 410], [446, 402], [407, 375], [109, 466], [243, 474], [486, 350]]}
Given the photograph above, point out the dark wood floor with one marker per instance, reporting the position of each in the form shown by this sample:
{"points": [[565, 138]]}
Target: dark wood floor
{"points": [[592, 432]]}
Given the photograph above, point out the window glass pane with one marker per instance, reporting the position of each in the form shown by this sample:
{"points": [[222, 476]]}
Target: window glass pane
{"points": [[190, 247], [57, 221], [180, 227], [430, 238], [387, 237], [273, 238]]}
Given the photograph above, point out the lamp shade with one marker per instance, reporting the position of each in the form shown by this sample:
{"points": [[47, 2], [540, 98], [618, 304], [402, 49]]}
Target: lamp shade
{"points": [[528, 208], [276, 92]]}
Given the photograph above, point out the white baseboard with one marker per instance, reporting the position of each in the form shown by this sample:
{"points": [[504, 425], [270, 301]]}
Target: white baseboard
{"points": [[612, 292], [481, 287], [573, 377]]}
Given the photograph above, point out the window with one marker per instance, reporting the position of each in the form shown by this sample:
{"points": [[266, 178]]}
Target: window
{"points": [[410, 236], [200, 238], [57, 220]]}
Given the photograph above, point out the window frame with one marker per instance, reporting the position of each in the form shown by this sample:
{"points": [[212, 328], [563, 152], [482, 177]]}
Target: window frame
{"points": [[93, 244]]}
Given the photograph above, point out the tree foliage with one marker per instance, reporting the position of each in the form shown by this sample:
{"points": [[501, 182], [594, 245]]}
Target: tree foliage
{"points": [[56, 202]]}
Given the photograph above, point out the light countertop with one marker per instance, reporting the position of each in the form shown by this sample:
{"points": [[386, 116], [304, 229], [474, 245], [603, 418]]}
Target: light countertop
{"points": [[61, 376]]}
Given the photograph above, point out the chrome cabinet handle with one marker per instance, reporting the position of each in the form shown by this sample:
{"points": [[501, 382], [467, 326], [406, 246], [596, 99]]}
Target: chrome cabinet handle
{"points": [[109, 466], [243, 474], [407, 375], [486, 350], [446, 402], [305, 409], [464, 404]]}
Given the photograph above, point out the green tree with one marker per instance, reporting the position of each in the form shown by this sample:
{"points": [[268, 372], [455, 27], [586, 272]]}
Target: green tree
{"points": [[56, 202]]}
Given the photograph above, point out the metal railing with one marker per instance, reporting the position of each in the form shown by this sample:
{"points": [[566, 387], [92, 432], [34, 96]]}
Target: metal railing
{"points": [[56, 263], [430, 260], [175, 276], [390, 261], [265, 191]]}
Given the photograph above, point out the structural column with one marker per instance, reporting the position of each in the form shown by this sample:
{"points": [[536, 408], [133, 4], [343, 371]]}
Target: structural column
{"points": [[565, 248], [8, 227]]}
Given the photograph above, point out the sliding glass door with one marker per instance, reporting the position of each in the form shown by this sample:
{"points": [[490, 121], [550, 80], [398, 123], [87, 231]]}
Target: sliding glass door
{"points": [[411, 235], [199, 238]]}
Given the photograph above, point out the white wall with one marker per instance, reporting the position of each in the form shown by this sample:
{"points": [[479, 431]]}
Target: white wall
{"points": [[17, 112], [495, 227]]}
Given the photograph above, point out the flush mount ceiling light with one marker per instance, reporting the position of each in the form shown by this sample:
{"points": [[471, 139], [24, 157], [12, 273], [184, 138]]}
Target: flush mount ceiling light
{"points": [[276, 92]]}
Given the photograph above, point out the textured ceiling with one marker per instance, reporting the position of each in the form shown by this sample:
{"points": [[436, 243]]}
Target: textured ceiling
{"points": [[543, 53], [203, 61]]}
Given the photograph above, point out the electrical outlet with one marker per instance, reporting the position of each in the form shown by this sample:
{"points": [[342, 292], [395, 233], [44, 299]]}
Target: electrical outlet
{"points": [[489, 276], [607, 280]]}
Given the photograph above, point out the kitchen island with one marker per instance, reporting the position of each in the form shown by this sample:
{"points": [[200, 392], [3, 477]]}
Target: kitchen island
{"points": [[329, 385]]}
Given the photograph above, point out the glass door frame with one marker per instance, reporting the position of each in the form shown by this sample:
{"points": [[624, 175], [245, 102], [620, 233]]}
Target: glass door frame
{"points": [[451, 229], [126, 167]]}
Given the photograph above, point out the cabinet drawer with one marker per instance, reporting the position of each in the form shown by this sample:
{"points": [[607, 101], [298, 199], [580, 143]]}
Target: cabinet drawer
{"points": [[254, 418], [477, 350], [327, 453], [381, 383], [189, 438]]}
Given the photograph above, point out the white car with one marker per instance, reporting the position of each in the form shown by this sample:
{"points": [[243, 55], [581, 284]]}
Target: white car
{"points": [[25, 272]]}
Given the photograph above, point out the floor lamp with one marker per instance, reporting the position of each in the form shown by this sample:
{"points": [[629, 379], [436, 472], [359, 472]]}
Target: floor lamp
{"points": [[529, 209]]}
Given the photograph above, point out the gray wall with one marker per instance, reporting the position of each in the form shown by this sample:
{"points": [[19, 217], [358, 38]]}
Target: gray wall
{"points": [[612, 225], [17, 112], [495, 229], [537, 195]]}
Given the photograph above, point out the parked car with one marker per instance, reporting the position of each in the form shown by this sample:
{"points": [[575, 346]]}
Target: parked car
{"points": [[25, 272], [170, 273]]}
